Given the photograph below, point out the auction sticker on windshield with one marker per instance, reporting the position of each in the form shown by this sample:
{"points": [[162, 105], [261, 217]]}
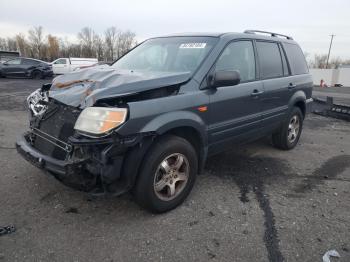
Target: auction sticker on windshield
{"points": [[193, 45]]}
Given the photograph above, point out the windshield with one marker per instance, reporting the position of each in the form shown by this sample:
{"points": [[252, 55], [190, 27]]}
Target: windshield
{"points": [[171, 54]]}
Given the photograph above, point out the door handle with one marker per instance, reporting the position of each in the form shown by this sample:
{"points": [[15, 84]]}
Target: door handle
{"points": [[256, 92], [291, 86]]}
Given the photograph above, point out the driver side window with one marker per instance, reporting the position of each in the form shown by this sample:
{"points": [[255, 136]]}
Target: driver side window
{"points": [[239, 56], [61, 62]]}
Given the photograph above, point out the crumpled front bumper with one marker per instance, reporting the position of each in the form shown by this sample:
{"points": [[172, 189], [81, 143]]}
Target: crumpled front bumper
{"points": [[94, 165], [40, 160]]}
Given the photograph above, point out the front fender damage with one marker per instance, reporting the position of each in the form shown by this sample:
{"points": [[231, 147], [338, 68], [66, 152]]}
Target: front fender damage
{"points": [[105, 166]]}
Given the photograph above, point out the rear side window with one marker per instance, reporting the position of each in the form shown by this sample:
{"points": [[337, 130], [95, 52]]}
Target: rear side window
{"points": [[270, 60], [30, 62], [239, 56], [296, 59]]}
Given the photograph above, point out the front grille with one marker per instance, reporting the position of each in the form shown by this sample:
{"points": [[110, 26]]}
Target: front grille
{"points": [[58, 123]]}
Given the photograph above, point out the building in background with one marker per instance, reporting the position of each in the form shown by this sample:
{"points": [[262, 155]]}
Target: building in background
{"points": [[7, 55]]}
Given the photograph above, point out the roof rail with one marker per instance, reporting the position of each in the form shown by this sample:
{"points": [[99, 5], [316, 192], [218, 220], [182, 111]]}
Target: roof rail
{"points": [[269, 33]]}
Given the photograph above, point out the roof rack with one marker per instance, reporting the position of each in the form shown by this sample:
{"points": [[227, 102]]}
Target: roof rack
{"points": [[265, 32]]}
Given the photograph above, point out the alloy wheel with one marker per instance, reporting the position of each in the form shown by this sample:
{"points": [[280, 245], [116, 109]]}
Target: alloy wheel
{"points": [[171, 176]]}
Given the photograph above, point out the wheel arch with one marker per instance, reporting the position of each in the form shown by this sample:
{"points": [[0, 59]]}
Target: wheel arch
{"points": [[194, 137], [185, 124], [298, 100]]}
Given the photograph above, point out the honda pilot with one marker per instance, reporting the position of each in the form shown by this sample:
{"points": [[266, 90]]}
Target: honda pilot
{"points": [[148, 122]]}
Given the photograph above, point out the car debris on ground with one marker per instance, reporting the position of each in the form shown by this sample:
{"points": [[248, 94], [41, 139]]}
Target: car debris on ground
{"points": [[331, 253], [7, 230]]}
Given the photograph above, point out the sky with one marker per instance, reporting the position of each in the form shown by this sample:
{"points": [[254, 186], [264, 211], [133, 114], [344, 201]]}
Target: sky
{"points": [[309, 22]]}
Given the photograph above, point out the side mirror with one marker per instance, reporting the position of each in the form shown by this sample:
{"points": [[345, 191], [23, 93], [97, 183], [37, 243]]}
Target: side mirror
{"points": [[225, 78], [5, 64]]}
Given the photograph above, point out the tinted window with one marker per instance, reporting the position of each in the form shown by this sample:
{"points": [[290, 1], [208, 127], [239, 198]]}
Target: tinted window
{"points": [[14, 62], [238, 56], [30, 62], [270, 60], [296, 59]]}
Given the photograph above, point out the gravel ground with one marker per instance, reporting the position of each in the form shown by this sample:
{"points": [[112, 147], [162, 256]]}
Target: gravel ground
{"points": [[254, 203]]}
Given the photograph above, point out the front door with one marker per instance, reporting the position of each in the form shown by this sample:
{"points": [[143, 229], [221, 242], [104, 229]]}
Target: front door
{"points": [[60, 66], [235, 111], [12, 67]]}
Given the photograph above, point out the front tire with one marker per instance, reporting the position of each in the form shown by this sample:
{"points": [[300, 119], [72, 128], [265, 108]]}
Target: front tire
{"points": [[167, 174], [288, 135]]}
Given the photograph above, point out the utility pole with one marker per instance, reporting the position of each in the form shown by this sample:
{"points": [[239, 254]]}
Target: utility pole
{"points": [[329, 51]]}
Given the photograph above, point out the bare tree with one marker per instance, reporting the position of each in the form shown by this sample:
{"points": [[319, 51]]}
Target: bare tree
{"points": [[21, 44], [11, 44], [36, 41], [98, 47], [3, 44], [336, 62], [86, 38], [112, 45], [52, 47], [126, 40], [319, 61], [111, 38]]}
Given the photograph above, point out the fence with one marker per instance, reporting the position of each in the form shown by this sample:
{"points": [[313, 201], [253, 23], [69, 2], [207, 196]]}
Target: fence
{"points": [[331, 76]]}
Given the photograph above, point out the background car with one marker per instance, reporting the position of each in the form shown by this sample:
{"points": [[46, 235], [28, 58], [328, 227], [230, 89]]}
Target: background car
{"points": [[65, 65], [26, 67], [7, 55]]}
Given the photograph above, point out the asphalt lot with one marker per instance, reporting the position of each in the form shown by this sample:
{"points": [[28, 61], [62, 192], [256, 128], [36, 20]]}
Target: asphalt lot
{"points": [[254, 203]]}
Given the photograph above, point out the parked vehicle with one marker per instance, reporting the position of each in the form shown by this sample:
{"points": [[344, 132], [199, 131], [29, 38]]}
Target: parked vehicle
{"points": [[25, 67], [66, 65], [7, 55], [149, 122]]}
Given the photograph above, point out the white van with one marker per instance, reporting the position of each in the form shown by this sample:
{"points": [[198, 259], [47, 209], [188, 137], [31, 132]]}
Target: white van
{"points": [[66, 65]]}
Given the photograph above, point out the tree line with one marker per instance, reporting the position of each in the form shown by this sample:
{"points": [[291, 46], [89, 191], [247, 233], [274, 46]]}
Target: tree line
{"points": [[112, 44], [320, 61]]}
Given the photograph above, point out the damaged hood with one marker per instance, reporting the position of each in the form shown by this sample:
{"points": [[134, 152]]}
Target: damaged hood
{"points": [[83, 88]]}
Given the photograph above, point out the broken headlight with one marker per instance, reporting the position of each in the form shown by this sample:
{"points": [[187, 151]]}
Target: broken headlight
{"points": [[97, 121]]}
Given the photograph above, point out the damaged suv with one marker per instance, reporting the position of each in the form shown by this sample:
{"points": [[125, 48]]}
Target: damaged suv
{"points": [[147, 123]]}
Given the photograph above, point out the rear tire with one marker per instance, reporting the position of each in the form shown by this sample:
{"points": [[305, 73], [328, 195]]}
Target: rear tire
{"points": [[37, 75], [167, 174], [288, 135]]}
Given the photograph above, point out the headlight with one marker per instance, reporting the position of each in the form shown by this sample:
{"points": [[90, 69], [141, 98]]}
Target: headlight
{"points": [[100, 120]]}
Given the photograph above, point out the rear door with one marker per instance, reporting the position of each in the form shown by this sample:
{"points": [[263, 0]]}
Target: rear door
{"points": [[28, 65], [274, 74], [235, 111], [300, 78]]}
